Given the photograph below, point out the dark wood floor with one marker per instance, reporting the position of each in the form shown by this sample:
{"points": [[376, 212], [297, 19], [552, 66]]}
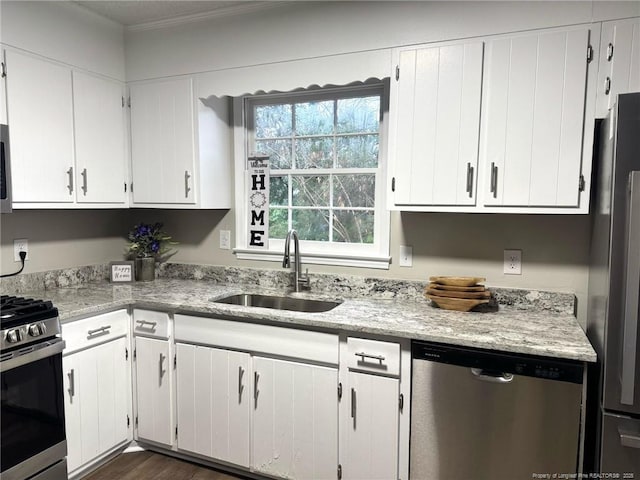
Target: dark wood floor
{"points": [[147, 465]]}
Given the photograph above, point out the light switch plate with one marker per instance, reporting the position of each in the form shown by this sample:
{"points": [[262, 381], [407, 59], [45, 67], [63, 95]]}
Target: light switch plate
{"points": [[406, 256], [225, 239]]}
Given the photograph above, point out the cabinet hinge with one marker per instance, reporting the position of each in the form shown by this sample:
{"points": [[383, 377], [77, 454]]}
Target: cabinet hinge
{"points": [[589, 53], [4, 70], [397, 72], [126, 354], [128, 421], [401, 402], [339, 471], [393, 184], [581, 184], [339, 390]]}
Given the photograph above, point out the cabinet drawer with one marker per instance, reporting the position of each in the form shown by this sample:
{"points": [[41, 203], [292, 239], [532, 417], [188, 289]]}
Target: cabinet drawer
{"points": [[95, 330], [150, 323], [373, 356]]}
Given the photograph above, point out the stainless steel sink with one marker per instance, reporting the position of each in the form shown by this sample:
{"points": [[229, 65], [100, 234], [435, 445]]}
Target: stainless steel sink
{"points": [[280, 303]]}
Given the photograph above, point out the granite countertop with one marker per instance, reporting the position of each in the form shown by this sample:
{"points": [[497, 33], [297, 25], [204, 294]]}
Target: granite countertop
{"points": [[543, 333]]}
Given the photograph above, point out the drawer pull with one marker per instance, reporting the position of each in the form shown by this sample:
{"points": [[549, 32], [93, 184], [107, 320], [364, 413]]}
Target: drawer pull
{"points": [[142, 323], [240, 386], [353, 406], [72, 383], [98, 332], [256, 377], [162, 371], [363, 356]]}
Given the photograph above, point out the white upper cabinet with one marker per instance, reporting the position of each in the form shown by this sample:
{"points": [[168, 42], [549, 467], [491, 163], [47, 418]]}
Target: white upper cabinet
{"points": [[619, 70], [163, 142], [435, 123], [99, 139], [180, 146], [534, 119], [40, 114], [67, 136]]}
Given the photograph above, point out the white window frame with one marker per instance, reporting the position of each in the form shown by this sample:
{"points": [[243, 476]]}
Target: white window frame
{"points": [[374, 255]]}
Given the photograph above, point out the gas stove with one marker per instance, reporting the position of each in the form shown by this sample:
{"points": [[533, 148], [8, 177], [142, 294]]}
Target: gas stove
{"points": [[24, 321]]}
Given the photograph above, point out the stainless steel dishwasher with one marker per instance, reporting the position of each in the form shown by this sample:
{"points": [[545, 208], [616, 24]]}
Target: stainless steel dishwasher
{"points": [[477, 414]]}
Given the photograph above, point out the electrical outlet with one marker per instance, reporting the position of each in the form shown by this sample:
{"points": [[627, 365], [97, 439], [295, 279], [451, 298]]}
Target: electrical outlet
{"points": [[20, 245], [406, 256], [513, 262], [225, 239]]}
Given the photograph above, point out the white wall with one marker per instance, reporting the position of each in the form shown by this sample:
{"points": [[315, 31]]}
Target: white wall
{"points": [[64, 32], [313, 29]]}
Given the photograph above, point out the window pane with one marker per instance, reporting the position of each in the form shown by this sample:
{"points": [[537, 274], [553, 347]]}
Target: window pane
{"points": [[314, 153], [311, 191], [279, 191], [353, 226], [354, 190], [278, 222], [358, 151], [279, 152], [314, 118], [311, 224], [273, 121], [358, 115]]}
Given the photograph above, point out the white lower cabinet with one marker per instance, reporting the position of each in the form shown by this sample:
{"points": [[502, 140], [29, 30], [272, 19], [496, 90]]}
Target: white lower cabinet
{"points": [[295, 419], [97, 401], [213, 398], [371, 450], [154, 415]]}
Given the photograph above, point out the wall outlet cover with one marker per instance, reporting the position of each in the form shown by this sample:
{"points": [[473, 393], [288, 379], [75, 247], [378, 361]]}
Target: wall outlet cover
{"points": [[20, 245], [513, 262], [225, 239], [406, 256]]}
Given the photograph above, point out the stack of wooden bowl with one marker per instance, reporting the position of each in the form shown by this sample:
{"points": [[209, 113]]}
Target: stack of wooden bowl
{"points": [[457, 293]]}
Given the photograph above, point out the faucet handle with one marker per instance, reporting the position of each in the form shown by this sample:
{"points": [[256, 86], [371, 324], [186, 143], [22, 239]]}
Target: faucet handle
{"points": [[304, 280]]}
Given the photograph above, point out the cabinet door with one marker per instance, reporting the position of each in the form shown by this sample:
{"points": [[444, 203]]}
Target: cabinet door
{"points": [[372, 434], [434, 138], [533, 117], [99, 139], [39, 103], [295, 419], [213, 400], [619, 70], [154, 391], [96, 401], [162, 142]]}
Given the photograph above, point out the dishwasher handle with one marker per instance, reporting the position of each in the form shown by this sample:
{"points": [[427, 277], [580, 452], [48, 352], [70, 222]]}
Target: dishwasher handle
{"points": [[491, 376]]}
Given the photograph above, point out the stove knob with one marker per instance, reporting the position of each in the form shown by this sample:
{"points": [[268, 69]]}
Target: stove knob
{"points": [[36, 330], [13, 336]]}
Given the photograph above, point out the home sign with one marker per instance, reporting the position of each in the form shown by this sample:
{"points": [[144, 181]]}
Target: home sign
{"points": [[258, 202]]}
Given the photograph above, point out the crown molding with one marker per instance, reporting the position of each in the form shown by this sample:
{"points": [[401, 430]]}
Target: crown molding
{"points": [[199, 17]]}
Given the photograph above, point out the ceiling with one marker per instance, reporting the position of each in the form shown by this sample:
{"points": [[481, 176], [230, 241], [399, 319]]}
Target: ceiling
{"points": [[137, 12]]}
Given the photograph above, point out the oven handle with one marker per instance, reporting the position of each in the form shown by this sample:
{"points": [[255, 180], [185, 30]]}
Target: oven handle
{"points": [[50, 350]]}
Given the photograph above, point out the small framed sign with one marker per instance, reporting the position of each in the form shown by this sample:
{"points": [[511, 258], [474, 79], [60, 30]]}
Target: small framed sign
{"points": [[121, 272]]}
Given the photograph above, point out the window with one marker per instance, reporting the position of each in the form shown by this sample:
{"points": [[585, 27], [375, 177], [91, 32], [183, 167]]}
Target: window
{"points": [[327, 175]]}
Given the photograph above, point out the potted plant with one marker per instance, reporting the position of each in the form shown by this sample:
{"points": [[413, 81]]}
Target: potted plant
{"points": [[146, 244]]}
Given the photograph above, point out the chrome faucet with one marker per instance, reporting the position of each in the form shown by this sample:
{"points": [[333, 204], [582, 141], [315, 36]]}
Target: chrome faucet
{"points": [[301, 280]]}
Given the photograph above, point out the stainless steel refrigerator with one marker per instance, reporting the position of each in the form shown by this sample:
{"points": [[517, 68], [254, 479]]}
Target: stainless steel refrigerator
{"points": [[614, 291]]}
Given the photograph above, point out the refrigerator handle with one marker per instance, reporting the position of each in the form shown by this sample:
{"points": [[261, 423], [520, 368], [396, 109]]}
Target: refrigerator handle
{"points": [[631, 293]]}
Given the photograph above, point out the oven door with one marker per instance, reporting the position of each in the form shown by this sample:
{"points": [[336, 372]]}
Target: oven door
{"points": [[32, 417]]}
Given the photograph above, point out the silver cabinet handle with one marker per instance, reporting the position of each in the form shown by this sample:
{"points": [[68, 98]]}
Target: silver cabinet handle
{"points": [[142, 323], [353, 405], [607, 86], [72, 383], [70, 185], [486, 376], [186, 184], [609, 52], [256, 377], [469, 180], [363, 355], [240, 386], [494, 179], [84, 181], [98, 332], [629, 439], [162, 371], [631, 293]]}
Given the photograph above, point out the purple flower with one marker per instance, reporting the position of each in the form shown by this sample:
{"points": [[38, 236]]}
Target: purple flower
{"points": [[155, 246]]}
